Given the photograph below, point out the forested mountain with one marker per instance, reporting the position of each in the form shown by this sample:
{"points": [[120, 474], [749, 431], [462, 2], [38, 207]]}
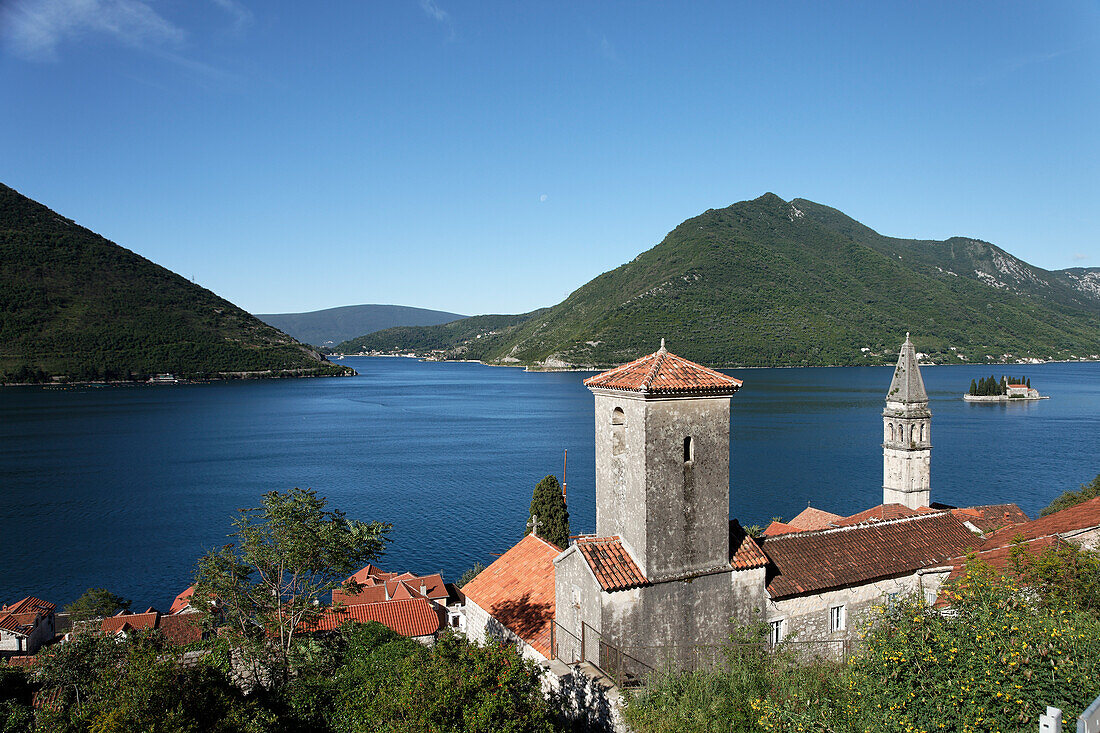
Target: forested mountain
{"points": [[74, 304], [467, 338], [332, 325], [769, 282]]}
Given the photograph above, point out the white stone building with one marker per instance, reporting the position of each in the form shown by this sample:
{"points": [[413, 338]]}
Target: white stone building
{"points": [[25, 626]]}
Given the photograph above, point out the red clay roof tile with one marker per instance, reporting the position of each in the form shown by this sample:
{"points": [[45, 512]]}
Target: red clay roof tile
{"points": [[125, 621], [409, 617], [808, 562], [181, 628], [744, 552], [810, 518], [880, 513], [182, 600], [991, 517], [517, 589], [777, 528], [30, 603], [612, 565], [1082, 516], [665, 373]]}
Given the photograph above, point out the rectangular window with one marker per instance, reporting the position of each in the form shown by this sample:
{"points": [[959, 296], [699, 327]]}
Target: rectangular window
{"points": [[777, 631], [892, 598], [837, 618]]}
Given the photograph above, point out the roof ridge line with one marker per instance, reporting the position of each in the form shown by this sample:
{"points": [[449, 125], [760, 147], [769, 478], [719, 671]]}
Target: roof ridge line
{"points": [[661, 353], [879, 523]]}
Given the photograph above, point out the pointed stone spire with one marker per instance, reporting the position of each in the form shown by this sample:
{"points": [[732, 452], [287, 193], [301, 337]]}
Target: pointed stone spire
{"points": [[907, 385]]}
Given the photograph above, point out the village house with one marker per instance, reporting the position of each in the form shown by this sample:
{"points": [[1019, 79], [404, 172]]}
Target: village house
{"points": [[420, 607], [667, 569], [25, 626], [180, 628]]}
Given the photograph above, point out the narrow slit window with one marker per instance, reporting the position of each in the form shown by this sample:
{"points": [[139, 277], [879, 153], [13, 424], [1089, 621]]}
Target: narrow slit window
{"points": [[689, 450]]}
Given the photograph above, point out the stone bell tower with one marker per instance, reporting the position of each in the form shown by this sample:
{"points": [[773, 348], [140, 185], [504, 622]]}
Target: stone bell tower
{"points": [[906, 435], [662, 463]]}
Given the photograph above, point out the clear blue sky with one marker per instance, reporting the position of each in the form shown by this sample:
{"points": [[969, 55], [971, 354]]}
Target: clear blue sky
{"points": [[492, 157]]}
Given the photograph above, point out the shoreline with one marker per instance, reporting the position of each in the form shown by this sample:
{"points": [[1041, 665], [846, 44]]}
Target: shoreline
{"points": [[225, 377], [538, 369]]}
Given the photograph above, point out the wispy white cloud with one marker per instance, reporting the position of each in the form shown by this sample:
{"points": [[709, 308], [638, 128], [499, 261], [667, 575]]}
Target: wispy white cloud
{"points": [[434, 11], [241, 15], [34, 29], [1080, 256]]}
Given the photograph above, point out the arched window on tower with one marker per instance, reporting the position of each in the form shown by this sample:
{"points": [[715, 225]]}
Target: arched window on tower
{"points": [[618, 431], [689, 450], [922, 432], [893, 436], [912, 428]]}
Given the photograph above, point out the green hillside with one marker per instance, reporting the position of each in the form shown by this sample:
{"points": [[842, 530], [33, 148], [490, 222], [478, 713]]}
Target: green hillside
{"points": [[769, 282], [466, 338], [73, 304]]}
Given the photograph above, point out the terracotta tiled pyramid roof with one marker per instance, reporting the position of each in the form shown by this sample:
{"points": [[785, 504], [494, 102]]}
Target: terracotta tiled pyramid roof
{"points": [[518, 591], [612, 565], [808, 562], [665, 373]]}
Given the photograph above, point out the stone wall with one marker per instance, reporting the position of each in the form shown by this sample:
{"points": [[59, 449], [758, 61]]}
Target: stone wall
{"points": [[576, 600], [806, 618], [662, 622], [481, 627]]}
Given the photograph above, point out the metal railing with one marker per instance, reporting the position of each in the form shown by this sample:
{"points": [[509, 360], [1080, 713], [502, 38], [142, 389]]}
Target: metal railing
{"points": [[628, 666]]}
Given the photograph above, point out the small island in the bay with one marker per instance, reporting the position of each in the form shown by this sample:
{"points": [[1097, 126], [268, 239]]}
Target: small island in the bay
{"points": [[1006, 389]]}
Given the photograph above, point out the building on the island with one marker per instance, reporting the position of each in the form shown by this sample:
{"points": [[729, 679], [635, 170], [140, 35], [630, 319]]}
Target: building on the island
{"points": [[1021, 390], [25, 626], [667, 569]]}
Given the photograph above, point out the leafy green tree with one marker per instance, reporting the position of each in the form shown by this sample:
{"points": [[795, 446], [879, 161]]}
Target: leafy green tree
{"points": [[470, 574], [96, 603], [266, 586], [389, 683], [1070, 498], [111, 685], [548, 504], [16, 714]]}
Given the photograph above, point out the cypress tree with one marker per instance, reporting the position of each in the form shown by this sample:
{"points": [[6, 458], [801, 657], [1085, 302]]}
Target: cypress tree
{"points": [[548, 505], [973, 387]]}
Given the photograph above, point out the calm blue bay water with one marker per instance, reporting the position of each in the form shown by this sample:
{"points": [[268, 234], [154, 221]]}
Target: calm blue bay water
{"points": [[125, 487]]}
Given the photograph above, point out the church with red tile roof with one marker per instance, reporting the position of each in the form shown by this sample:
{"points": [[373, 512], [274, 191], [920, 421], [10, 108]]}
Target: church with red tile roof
{"points": [[667, 568]]}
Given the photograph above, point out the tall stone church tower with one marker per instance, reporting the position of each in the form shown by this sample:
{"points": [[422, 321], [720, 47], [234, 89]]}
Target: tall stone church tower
{"points": [[906, 435], [662, 463]]}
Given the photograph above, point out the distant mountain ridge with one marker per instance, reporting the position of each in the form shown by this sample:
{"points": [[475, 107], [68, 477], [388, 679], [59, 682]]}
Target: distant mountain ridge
{"points": [[76, 305], [330, 326], [770, 282]]}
